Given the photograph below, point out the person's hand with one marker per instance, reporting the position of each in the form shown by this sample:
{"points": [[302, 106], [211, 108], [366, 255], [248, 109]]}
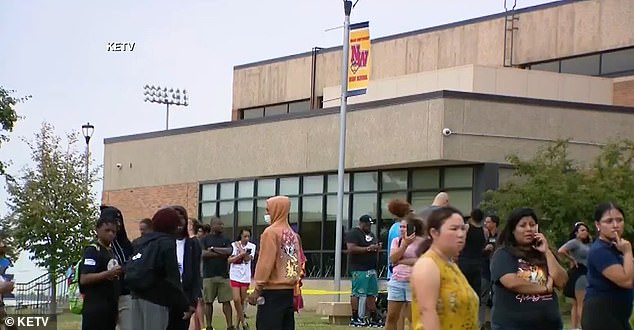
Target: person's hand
{"points": [[253, 297], [622, 244], [409, 239], [549, 285], [188, 314], [114, 272], [6, 287], [573, 263], [239, 246], [541, 243], [489, 248]]}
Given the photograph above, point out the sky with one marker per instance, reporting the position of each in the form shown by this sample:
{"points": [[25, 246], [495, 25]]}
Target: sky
{"points": [[57, 51]]}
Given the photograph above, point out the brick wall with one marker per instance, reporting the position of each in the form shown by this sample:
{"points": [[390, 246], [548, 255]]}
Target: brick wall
{"points": [[139, 203], [624, 92]]}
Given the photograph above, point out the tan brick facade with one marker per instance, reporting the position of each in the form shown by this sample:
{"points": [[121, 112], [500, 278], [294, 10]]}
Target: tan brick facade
{"points": [[624, 92], [139, 203]]}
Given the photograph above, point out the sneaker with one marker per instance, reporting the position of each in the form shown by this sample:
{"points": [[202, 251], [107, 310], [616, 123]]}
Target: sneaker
{"points": [[376, 323], [357, 322]]}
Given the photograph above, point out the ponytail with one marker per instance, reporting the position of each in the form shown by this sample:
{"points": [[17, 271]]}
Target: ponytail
{"points": [[424, 245]]}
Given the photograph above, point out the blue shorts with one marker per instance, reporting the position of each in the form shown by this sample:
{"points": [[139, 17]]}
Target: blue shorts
{"points": [[364, 283], [399, 291]]}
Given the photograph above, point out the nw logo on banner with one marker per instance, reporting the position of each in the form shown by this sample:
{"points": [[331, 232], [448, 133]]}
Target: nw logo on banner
{"points": [[359, 58]]}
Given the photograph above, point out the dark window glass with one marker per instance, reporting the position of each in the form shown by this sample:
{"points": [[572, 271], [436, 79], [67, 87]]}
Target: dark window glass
{"points": [[226, 212], [252, 113], [618, 61], [330, 228], [333, 182], [245, 214], [328, 266], [547, 66], [301, 106], [275, 110], [313, 264], [458, 177], [312, 214], [585, 65], [428, 178], [394, 180], [207, 210], [365, 181]]}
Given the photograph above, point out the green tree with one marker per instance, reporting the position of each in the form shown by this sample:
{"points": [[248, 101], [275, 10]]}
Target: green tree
{"points": [[7, 237], [8, 117], [52, 203]]}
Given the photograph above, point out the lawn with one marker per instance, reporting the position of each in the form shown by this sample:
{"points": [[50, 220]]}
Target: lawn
{"points": [[304, 321]]}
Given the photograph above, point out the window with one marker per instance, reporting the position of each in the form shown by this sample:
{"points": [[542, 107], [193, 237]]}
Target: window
{"points": [[313, 209], [301, 106], [618, 61], [252, 113], [313, 184], [275, 110], [547, 66], [585, 65]]}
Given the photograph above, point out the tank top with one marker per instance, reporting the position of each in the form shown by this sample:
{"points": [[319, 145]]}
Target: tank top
{"points": [[457, 305]]}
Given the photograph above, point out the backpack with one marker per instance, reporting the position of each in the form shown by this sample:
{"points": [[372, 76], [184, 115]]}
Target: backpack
{"points": [[74, 294], [140, 270]]}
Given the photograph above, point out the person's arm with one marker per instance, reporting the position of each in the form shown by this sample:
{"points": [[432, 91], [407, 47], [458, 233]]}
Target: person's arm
{"points": [[198, 281], [555, 270], [565, 250], [610, 267], [88, 269], [266, 259], [425, 280], [503, 271], [396, 251], [169, 266], [236, 255], [407, 261]]}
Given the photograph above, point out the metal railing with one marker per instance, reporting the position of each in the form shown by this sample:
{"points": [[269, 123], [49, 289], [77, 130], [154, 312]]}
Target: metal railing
{"points": [[34, 297]]}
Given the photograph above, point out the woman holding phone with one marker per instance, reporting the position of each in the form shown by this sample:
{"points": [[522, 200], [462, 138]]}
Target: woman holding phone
{"points": [[240, 274], [608, 300]]}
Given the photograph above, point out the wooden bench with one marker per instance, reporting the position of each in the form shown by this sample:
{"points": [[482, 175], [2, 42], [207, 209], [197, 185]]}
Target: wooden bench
{"points": [[337, 312]]}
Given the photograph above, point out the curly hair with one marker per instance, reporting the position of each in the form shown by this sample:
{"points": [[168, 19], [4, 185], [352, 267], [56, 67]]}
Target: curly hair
{"points": [[399, 208]]}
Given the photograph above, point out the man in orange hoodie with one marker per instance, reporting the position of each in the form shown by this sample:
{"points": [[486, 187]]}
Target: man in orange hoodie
{"points": [[277, 270]]}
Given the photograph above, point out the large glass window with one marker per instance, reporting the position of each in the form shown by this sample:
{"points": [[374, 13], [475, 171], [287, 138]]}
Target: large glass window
{"points": [[252, 113], [585, 65], [301, 106], [617, 61], [313, 209], [547, 66], [275, 110]]}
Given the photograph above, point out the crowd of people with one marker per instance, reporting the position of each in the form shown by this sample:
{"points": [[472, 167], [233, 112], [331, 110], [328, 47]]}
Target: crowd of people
{"points": [[446, 271], [171, 275]]}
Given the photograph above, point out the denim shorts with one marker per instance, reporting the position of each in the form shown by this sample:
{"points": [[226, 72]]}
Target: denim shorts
{"points": [[398, 291]]}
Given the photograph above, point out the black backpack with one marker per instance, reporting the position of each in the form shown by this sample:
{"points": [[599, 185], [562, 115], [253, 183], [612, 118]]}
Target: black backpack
{"points": [[141, 269]]}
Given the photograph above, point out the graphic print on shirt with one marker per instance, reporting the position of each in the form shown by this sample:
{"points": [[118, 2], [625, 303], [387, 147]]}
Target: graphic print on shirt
{"points": [[290, 253], [533, 274]]}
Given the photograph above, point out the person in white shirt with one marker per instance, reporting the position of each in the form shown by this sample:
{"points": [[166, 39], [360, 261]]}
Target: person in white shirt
{"points": [[240, 273]]}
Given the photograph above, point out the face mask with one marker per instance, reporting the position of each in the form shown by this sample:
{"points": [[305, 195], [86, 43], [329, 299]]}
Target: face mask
{"points": [[267, 219]]}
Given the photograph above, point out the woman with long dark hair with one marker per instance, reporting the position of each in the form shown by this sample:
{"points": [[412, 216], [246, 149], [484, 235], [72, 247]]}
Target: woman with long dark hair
{"points": [[240, 274], [610, 273], [524, 272], [441, 295], [576, 250]]}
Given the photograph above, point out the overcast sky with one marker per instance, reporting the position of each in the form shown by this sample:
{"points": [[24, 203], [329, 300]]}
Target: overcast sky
{"points": [[57, 52]]}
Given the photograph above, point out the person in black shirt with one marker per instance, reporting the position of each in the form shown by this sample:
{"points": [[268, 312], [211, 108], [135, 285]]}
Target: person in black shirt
{"points": [[216, 251], [362, 248], [472, 255], [99, 279], [491, 234]]}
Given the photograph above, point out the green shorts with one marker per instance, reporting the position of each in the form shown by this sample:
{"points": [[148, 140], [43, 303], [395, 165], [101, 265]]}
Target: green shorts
{"points": [[216, 287], [364, 283]]}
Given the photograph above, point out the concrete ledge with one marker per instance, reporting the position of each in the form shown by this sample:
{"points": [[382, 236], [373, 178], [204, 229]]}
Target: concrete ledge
{"points": [[337, 312]]}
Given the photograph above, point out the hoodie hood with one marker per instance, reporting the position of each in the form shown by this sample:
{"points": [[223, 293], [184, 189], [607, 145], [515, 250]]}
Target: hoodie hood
{"points": [[151, 236], [123, 245], [278, 209]]}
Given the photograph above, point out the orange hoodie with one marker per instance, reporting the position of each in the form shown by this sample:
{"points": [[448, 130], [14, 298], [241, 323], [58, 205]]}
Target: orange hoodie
{"points": [[278, 265]]}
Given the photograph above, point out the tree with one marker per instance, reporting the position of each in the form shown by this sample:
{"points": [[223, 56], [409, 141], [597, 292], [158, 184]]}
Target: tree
{"points": [[52, 203], [8, 117], [562, 191]]}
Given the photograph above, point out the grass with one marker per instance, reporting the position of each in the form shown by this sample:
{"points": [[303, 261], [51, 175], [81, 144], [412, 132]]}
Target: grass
{"points": [[304, 321]]}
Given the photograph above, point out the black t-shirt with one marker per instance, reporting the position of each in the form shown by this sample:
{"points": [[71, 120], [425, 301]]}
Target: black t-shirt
{"points": [[215, 266], [362, 261], [486, 268], [96, 259], [474, 244], [522, 311]]}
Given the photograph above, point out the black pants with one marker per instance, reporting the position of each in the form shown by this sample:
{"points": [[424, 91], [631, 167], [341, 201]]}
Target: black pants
{"points": [[277, 311], [176, 321], [602, 313], [472, 270], [99, 316]]}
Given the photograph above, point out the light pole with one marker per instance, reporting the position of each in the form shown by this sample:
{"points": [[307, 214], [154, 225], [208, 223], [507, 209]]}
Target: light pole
{"points": [[167, 96], [87, 129], [347, 7]]}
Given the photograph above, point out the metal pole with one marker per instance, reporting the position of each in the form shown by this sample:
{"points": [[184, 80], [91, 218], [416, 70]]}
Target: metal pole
{"points": [[347, 6], [87, 160], [167, 117]]}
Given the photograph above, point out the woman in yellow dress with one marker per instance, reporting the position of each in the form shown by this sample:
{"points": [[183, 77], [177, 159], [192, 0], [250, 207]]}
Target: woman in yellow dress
{"points": [[441, 296]]}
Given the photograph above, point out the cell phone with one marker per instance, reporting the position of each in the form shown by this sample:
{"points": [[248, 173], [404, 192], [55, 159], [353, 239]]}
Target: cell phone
{"points": [[410, 229], [536, 241], [249, 251]]}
